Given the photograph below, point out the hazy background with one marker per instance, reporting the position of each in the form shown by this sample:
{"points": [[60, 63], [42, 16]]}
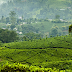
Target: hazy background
{"points": [[36, 18]]}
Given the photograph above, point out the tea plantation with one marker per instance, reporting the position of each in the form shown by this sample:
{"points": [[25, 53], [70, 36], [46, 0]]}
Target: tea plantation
{"points": [[41, 55]]}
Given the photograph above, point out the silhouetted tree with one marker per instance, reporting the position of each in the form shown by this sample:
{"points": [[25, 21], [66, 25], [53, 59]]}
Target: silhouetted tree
{"points": [[70, 29]]}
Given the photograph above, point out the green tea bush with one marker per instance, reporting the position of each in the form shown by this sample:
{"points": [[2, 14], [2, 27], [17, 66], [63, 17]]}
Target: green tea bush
{"points": [[67, 54], [61, 59], [51, 36], [16, 67], [68, 43], [52, 54], [68, 58], [67, 66], [40, 38], [56, 49], [65, 59], [40, 44]]}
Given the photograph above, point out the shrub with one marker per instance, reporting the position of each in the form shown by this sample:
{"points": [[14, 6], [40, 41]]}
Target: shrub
{"points": [[46, 37], [64, 37], [40, 38], [67, 67], [46, 60], [68, 43], [67, 54], [52, 54], [56, 49], [68, 58], [65, 59], [61, 59], [57, 35], [51, 36]]}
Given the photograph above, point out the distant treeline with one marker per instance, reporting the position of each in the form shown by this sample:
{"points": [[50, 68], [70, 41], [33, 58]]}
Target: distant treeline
{"points": [[38, 8], [7, 36]]}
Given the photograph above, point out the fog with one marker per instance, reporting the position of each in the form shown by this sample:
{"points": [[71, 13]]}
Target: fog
{"points": [[31, 10], [3, 1]]}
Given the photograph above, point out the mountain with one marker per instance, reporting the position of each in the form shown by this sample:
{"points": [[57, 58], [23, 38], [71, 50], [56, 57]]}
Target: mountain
{"points": [[38, 8]]}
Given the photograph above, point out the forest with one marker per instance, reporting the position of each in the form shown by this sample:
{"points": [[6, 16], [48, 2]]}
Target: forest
{"points": [[38, 9]]}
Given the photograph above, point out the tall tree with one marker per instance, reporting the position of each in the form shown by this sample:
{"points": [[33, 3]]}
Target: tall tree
{"points": [[70, 29], [3, 19], [8, 36], [7, 20], [12, 16], [54, 31]]}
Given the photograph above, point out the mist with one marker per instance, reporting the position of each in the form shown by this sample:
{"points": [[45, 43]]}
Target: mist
{"points": [[3, 1]]}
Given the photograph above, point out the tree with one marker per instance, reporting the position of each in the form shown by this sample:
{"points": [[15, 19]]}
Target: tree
{"points": [[12, 26], [28, 28], [57, 16], [19, 28], [8, 36], [7, 20], [22, 19], [53, 32], [70, 29], [12, 16], [3, 19], [32, 35], [13, 36], [24, 38]]}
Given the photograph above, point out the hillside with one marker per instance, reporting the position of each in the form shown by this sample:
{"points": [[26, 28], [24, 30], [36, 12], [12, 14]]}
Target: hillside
{"points": [[38, 8], [48, 53]]}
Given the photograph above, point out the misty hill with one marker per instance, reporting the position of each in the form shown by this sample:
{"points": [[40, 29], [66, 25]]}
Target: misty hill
{"points": [[38, 8]]}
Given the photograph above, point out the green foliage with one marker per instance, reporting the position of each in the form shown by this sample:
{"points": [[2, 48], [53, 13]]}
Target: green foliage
{"points": [[7, 36], [54, 31], [32, 35], [70, 29], [67, 54], [3, 19], [12, 26], [56, 49], [28, 28], [45, 43], [7, 20], [19, 28], [57, 16], [43, 55], [67, 67], [52, 54], [38, 8], [17, 67], [48, 53], [12, 16]]}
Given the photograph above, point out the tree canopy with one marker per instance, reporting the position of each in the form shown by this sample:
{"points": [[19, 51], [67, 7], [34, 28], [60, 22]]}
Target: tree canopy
{"points": [[8, 36]]}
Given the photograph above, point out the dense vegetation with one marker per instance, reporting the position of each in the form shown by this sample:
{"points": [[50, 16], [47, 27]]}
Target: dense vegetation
{"points": [[54, 52], [7, 36], [36, 36], [38, 8], [61, 42]]}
